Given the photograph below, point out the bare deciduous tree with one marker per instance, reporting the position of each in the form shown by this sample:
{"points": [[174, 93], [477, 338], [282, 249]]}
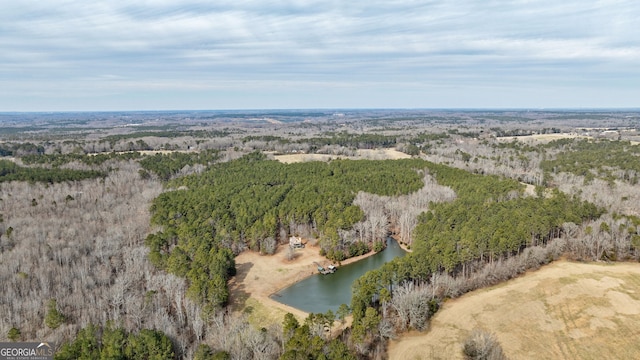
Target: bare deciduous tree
{"points": [[82, 244], [410, 303], [482, 345], [398, 213]]}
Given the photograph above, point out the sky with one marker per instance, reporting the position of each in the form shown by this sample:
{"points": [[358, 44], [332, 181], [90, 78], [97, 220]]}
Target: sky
{"points": [[68, 55]]}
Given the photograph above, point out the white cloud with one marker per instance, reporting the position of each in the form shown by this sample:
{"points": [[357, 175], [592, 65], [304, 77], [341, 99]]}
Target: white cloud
{"points": [[187, 45]]}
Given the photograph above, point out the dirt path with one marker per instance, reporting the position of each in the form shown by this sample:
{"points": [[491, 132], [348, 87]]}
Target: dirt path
{"points": [[563, 311], [259, 276]]}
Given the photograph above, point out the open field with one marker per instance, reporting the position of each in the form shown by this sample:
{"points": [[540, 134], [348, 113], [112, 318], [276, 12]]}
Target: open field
{"points": [[379, 154], [565, 310]]}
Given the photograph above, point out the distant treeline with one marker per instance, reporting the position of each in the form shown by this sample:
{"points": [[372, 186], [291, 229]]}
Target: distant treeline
{"points": [[164, 166], [167, 165], [9, 171], [361, 141], [57, 160], [605, 159], [113, 139], [20, 149], [357, 141]]}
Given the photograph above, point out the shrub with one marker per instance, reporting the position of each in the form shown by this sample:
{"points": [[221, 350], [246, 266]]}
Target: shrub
{"points": [[14, 334], [482, 345], [54, 317], [268, 246]]}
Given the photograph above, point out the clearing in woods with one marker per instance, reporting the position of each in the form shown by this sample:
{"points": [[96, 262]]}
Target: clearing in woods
{"points": [[565, 310], [378, 154]]}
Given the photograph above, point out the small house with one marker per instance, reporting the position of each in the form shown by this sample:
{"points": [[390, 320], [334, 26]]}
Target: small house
{"points": [[295, 242]]}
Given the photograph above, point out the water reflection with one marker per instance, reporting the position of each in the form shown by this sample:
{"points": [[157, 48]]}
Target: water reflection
{"points": [[319, 293]]}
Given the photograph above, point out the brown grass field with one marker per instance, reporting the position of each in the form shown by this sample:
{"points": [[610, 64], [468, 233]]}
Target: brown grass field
{"points": [[565, 310], [379, 154]]}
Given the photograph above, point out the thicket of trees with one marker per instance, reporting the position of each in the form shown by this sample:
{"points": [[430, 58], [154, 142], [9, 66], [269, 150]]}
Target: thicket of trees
{"points": [[312, 339], [10, 171], [20, 149], [76, 256], [453, 234], [488, 156], [57, 160], [109, 342], [605, 159], [166, 166], [358, 141], [422, 142], [266, 138], [397, 214], [113, 139]]}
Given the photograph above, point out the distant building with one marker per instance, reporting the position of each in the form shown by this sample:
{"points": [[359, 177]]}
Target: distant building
{"points": [[610, 134], [296, 242]]}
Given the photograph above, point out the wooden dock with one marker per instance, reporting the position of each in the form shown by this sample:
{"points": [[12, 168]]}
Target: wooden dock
{"points": [[325, 271]]}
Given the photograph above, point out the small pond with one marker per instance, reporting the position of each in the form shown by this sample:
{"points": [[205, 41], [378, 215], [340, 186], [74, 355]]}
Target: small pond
{"points": [[319, 293]]}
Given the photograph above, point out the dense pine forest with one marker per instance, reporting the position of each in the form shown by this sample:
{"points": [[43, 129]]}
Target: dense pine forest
{"points": [[120, 242], [249, 202]]}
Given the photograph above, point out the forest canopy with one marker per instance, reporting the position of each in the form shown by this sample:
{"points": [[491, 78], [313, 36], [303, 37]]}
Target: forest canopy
{"points": [[242, 202], [78, 249], [609, 160], [489, 220], [9, 171]]}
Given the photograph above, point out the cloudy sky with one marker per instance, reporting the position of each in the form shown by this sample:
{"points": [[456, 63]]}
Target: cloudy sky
{"points": [[258, 54]]}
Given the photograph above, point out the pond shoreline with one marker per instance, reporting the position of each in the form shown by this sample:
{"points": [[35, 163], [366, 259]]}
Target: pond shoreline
{"points": [[320, 293], [259, 277]]}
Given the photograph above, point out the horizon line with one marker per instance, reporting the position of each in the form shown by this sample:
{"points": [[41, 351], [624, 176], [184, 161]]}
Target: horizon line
{"points": [[541, 109]]}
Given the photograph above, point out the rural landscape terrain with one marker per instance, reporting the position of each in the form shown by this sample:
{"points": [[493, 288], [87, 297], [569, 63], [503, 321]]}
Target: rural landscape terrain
{"points": [[165, 235]]}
